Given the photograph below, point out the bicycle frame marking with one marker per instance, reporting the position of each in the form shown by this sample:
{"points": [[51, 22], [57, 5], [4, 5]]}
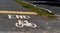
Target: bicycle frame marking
{"points": [[25, 23]]}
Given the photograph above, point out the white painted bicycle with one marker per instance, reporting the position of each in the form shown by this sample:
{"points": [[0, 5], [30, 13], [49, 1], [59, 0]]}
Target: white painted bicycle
{"points": [[25, 23]]}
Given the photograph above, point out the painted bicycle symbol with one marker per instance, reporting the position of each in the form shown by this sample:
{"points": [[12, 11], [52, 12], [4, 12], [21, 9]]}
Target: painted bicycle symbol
{"points": [[25, 23]]}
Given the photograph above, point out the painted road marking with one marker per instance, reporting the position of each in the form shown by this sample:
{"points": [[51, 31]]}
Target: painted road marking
{"points": [[12, 17], [21, 16], [22, 23], [18, 16], [9, 16], [17, 12]]}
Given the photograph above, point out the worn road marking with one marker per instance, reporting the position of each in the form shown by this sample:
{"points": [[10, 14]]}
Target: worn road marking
{"points": [[9, 16], [22, 23], [18, 16], [17, 12]]}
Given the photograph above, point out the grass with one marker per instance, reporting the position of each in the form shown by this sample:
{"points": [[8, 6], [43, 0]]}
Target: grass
{"points": [[38, 10]]}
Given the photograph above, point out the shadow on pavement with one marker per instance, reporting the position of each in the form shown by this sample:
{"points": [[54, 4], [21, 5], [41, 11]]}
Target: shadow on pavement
{"points": [[49, 3]]}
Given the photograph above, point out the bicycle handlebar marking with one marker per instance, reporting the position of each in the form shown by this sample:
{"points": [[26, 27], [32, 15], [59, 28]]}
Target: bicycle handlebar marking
{"points": [[21, 23]]}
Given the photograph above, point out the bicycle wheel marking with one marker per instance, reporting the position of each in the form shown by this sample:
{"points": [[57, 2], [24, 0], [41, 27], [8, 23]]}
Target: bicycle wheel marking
{"points": [[22, 21], [21, 24]]}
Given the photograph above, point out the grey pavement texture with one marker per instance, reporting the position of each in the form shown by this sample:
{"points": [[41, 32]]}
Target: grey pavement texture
{"points": [[44, 25], [11, 5]]}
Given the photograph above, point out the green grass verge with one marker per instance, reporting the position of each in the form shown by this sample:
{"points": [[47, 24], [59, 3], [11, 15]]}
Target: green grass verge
{"points": [[38, 10]]}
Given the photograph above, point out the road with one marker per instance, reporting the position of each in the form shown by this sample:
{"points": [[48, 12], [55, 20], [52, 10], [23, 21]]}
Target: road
{"points": [[11, 5], [7, 25]]}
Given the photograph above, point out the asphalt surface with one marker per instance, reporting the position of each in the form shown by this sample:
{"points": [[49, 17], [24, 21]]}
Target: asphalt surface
{"points": [[44, 25], [11, 5]]}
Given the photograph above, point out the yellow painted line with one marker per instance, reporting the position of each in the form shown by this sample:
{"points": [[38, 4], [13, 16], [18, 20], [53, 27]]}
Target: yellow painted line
{"points": [[16, 12]]}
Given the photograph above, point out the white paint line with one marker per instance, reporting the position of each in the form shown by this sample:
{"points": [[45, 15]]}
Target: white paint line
{"points": [[17, 16], [20, 22], [21, 16], [9, 16], [24, 16]]}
